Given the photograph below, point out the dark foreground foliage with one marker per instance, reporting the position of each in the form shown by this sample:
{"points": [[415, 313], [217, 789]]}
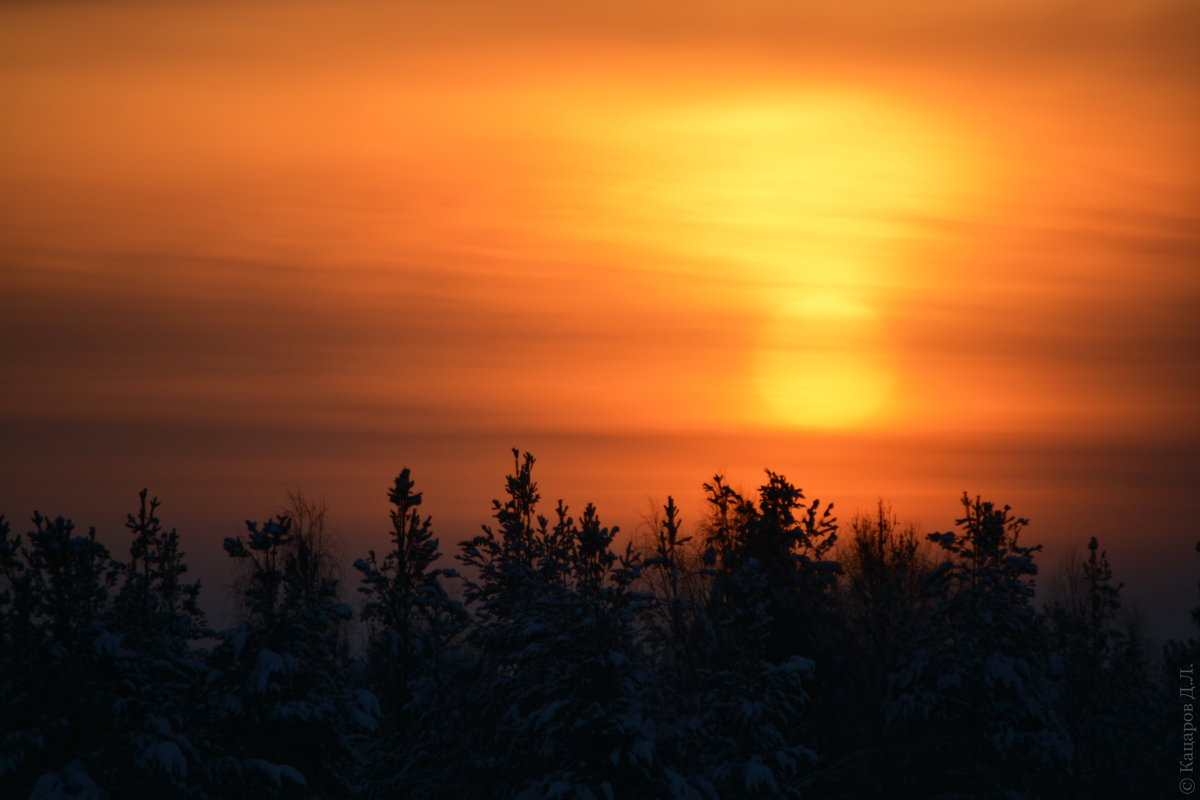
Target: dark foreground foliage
{"points": [[756, 656]]}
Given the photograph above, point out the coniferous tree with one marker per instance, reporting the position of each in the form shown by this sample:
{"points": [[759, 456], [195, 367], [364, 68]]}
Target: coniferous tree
{"points": [[154, 622], [154, 610], [560, 686], [59, 681], [412, 627], [883, 604], [412, 617], [769, 567], [769, 610], [670, 575], [979, 684], [1084, 634], [576, 669], [281, 711]]}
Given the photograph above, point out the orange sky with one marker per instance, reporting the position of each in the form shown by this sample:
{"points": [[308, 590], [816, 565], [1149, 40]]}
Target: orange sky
{"points": [[900, 253]]}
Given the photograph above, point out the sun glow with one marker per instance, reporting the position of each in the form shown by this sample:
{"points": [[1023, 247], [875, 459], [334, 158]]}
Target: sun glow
{"points": [[822, 362], [782, 188], [801, 197]]}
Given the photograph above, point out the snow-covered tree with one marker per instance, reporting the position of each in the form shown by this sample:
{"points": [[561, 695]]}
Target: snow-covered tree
{"points": [[154, 610], [740, 662], [740, 729], [57, 687], [883, 607], [280, 711], [734, 693], [560, 692], [412, 617], [976, 702], [772, 583], [153, 626], [413, 626]]}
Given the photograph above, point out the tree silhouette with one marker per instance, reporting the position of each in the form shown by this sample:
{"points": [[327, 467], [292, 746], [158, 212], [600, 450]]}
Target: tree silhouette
{"points": [[979, 683], [413, 626], [563, 685], [281, 712], [154, 609], [747, 657]]}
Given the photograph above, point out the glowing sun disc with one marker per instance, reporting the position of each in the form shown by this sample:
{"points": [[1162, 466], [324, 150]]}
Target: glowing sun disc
{"points": [[822, 362]]}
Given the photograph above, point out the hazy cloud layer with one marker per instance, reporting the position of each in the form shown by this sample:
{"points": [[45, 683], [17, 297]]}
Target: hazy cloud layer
{"points": [[251, 244]]}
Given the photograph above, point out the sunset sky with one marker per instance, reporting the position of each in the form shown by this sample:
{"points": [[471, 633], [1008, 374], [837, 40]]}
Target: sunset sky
{"points": [[891, 250]]}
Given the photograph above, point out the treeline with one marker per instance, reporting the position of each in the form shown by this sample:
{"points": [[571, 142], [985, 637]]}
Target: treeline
{"points": [[750, 655]]}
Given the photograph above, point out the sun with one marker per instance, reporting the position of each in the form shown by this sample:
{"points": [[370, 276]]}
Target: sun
{"points": [[791, 210], [822, 362]]}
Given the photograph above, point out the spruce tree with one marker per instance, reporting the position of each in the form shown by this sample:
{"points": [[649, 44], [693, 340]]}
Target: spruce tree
{"points": [[59, 682], [281, 712], [561, 686], [979, 684], [413, 626]]}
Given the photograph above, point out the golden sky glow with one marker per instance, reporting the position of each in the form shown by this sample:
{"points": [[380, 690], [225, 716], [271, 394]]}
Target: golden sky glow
{"points": [[933, 237], [822, 361]]}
